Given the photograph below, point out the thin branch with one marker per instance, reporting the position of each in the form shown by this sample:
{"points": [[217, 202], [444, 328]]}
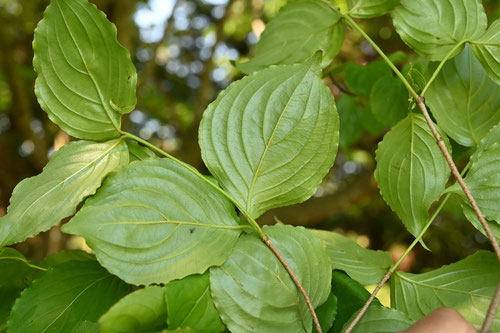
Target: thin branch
{"points": [[492, 310], [270, 245]]}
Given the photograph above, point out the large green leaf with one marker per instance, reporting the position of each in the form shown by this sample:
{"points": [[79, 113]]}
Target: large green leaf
{"points": [[380, 319], [360, 79], [389, 100], [326, 313], [301, 28], [8, 296], [471, 216], [464, 100], [370, 8], [189, 304], [86, 80], [411, 171], [433, 28], [350, 120], [365, 266], [483, 178], [16, 270], [487, 48], [64, 296], [271, 137], [253, 292], [467, 286], [65, 256], [143, 310], [73, 173], [154, 221]]}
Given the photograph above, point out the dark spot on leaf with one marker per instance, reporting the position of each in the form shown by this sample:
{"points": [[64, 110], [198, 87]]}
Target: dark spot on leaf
{"points": [[191, 230]]}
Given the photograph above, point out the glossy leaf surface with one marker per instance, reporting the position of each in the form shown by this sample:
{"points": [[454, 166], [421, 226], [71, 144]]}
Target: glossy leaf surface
{"points": [[363, 265], [143, 310], [411, 171], [154, 221], [464, 100], [433, 28], [73, 173], [301, 28], [252, 290], [86, 80], [389, 100], [467, 286], [270, 138], [190, 304], [487, 48], [380, 319], [370, 8], [64, 296]]}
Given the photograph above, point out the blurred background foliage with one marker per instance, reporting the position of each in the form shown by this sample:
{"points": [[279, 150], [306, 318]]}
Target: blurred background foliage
{"points": [[184, 52]]}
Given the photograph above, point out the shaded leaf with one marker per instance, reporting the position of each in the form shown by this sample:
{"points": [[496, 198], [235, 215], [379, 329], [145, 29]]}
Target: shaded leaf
{"points": [[143, 310], [411, 171], [138, 152], [73, 173], [65, 256], [154, 221], [363, 265], [360, 79], [190, 304], [380, 319], [370, 8], [16, 270], [8, 296], [369, 122], [326, 313], [471, 216], [270, 138], [487, 48], [464, 100], [64, 296], [433, 28], [389, 100], [301, 28], [350, 121], [253, 291]]}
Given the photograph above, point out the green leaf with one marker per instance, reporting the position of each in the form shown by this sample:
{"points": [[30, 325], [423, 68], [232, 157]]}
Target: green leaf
{"points": [[253, 292], [190, 304], [389, 100], [483, 178], [64, 296], [467, 286], [351, 296], [301, 28], [380, 319], [471, 216], [369, 123], [143, 310], [138, 153], [433, 28], [16, 270], [363, 265], [360, 79], [411, 171], [326, 313], [487, 48], [73, 173], [154, 221], [270, 138], [464, 100], [86, 80], [65, 256], [370, 8], [8, 296], [350, 121]]}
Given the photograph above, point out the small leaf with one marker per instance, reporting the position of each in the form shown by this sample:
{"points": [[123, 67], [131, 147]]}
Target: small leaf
{"points": [[270, 138], [86, 80], [365, 266], [433, 28], [64, 296], [487, 48], [370, 8], [464, 100], [389, 100], [467, 286], [143, 310], [301, 28], [326, 313], [350, 121], [411, 171], [73, 173], [190, 304], [471, 216], [253, 292], [138, 153], [380, 319], [154, 221], [360, 79]]}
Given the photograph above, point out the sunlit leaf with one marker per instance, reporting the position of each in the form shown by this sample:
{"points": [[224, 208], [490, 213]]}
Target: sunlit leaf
{"points": [[64, 296], [253, 292], [380, 319], [270, 138], [487, 48], [411, 171], [467, 286], [365, 266], [433, 28], [301, 28], [370, 8], [464, 100], [389, 100], [86, 80], [73, 173], [143, 310], [154, 221]]}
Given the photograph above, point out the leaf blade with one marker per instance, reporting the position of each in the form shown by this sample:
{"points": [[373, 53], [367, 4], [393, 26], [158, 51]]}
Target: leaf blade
{"points": [[486, 47]]}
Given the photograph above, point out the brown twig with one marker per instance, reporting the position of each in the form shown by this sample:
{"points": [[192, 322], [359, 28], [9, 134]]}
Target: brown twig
{"points": [[492, 310], [270, 245]]}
